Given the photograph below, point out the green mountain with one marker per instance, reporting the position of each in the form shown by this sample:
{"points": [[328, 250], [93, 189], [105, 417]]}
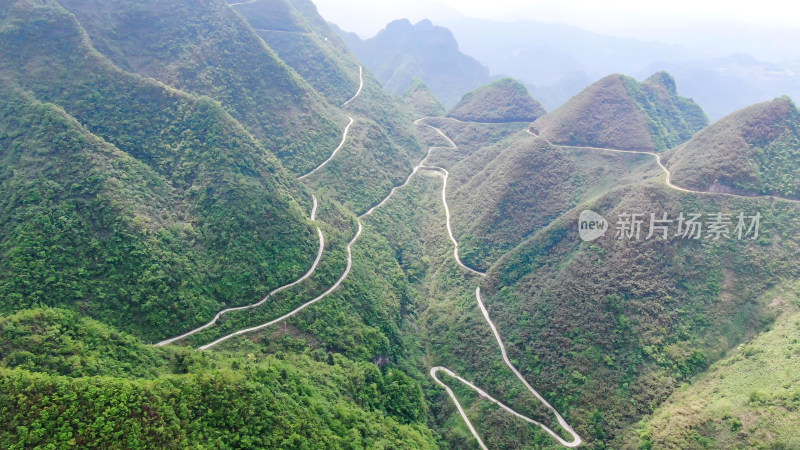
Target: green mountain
{"points": [[605, 330], [402, 52], [619, 112], [129, 214], [504, 100], [303, 40], [752, 151], [422, 100], [207, 49], [382, 145], [230, 178], [150, 209]]}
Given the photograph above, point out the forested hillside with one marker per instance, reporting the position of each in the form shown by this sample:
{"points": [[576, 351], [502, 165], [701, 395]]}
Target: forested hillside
{"points": [[218, 229], [70, 381]]}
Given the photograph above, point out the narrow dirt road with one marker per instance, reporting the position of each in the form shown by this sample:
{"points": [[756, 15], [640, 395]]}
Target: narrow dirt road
{"points": [[346, 129], [314, 265], [341, 144], [256, 305], [664, 168], [304, 305], [576, 440]]}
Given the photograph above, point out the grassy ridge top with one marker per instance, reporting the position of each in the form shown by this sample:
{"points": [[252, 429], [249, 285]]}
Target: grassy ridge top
{"points": [[619, 112], [754, 151], [505, 100]]}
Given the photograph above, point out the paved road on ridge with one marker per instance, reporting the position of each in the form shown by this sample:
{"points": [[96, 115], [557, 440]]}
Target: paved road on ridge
{"points": [[668, 181]]}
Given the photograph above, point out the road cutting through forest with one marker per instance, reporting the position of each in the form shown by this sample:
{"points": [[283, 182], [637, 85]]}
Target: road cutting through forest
{"points": [[576, 440]]}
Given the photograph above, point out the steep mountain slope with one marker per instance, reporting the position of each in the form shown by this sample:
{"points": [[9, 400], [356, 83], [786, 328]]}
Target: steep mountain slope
{"points": [[611, 326], [618, 112], [381, 146], [151, 209], [422, 100], [505, 100], [752, 151], [607, 329], [301, 38], [227, 213], [402, 52], [746, 400], [507, 191], [207, 49], [175, 398]]}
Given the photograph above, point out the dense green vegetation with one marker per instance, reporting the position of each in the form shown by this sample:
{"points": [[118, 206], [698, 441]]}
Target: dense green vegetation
{"points": [[672, 119], [505, 100], [749, 399], [302, 39], [752, 151], [505, 192], [608, 329], [192, 212], [382, 146], [380, 151], [605, 330], [172, 398], [207, 49], [618, 112], [144, 150]]}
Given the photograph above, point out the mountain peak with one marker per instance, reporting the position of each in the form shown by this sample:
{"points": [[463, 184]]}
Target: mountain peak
{"points": [[422, 99], [752, 151], [662, 80], [619, 112], [505, 100], [402, 51]]}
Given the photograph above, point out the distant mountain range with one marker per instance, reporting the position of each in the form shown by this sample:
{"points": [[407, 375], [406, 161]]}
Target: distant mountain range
{"points": [[402, 52], [557, 61], [174, 174]]}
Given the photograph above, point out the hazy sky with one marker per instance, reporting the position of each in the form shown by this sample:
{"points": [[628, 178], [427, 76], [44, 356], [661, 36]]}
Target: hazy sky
{"points": [[366, 17]]}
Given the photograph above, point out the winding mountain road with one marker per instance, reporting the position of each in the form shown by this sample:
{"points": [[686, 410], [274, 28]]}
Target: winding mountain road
{"points": [[360, 86], [304, 305], [664, 168], [346, 129], [341, 144], [313, 266], [256, 305], [576, 439], [341, 278]]}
